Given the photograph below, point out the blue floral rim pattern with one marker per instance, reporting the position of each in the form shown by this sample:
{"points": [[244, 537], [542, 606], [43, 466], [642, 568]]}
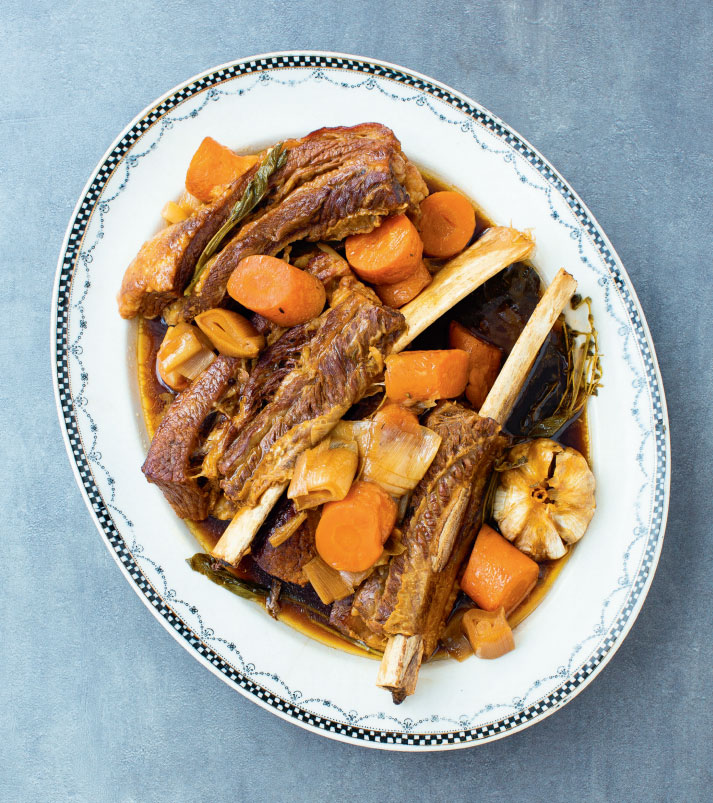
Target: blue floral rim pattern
{"points": [[317, 65]]}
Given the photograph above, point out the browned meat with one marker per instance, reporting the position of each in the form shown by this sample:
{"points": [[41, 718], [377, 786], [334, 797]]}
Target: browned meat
{"points": [[336, 365], [275, 363], [327, 148], [329, 269], [413, 598], [168, 463], [353, 615], [336, 182], [272, 366], [286, 561], [165, 263], [471, 446], [284, 354]]}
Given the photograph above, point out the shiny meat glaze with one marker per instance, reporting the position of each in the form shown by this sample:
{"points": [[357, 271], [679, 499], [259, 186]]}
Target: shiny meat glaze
{"points": [[286, 562], [165, 263]]}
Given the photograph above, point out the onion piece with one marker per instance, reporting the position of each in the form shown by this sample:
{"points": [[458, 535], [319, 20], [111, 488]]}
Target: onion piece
{"points": [[232, 334], [354, 579], [488, 632], [196, 364], [323, 474], [183, 354], [288, 529], [173, 213], [189, 203], [396, 459], [326, 581], [453, 639], [357, 431], [319, 430]]}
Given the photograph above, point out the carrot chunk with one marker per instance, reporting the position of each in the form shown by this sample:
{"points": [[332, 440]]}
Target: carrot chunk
{"points": [[276, 290], [351, 533], [498, 574], [394, 415], [446, 224], [212, 167], [484, 362], [400, 293], [422, 375], [388, 254]]}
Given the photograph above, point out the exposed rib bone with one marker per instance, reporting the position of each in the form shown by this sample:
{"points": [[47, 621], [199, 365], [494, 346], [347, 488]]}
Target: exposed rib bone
{"points": [[238, 535], [395, 673], [501, 399], [398, 671], [495, 250]]}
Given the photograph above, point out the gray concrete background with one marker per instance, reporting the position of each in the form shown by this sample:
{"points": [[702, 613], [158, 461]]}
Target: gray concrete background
{"points": [[97, 701]]}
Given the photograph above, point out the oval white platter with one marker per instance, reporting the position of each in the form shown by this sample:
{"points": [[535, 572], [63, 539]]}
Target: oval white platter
{"points": [[569, 638]]}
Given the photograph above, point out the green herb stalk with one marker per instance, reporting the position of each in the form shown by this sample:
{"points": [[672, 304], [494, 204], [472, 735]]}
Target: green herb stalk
{"points": [[584, 375], [210, 568], [254, 193]]}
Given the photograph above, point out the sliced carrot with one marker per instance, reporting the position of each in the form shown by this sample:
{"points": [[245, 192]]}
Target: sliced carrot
{"points": [[394, 415], [400, 293], [422, 375], [488, 632], [277, 290], [498, 574], [484, 362], [388, 254], [212, 167], [446, 224], [351, 533]]}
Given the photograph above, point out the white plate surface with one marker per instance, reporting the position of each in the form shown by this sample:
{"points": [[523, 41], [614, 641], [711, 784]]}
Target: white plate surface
{"points": [[585, 617]]}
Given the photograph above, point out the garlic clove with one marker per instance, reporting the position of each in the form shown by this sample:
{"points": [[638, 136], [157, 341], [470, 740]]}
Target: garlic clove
{"points": [[540, 538], [570, 524], [511, 509]]}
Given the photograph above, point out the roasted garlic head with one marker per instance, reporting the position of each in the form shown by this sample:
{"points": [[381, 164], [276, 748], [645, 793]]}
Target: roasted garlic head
{"points": [[545, 501]]}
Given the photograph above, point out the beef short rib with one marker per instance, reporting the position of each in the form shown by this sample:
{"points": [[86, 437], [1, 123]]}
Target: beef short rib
{"points": [[336, 182], [286, 562], [339, 359], [411, 598], [168, 463], [165, 263]]}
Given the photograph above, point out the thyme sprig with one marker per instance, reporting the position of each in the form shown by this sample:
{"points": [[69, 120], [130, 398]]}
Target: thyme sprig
{"points": [[584, 374], [254, 193]]}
